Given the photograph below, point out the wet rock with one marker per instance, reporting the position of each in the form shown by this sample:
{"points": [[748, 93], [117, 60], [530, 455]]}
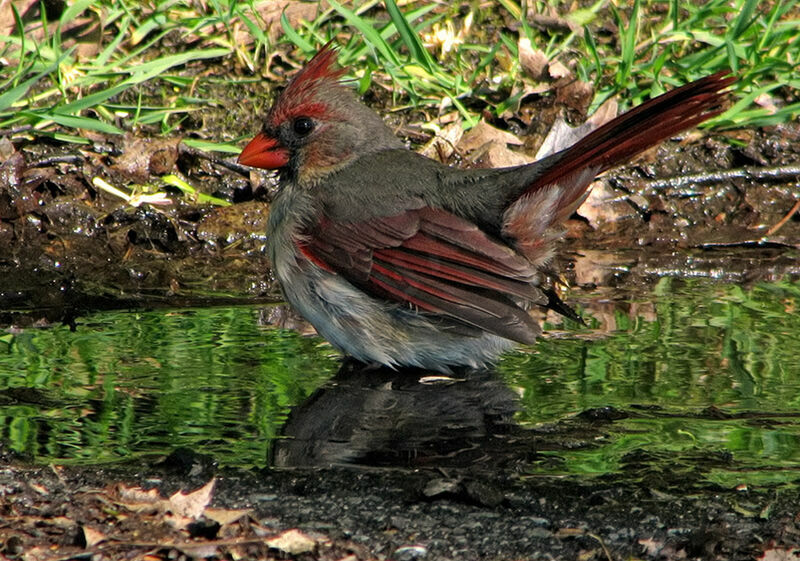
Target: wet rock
{"points": [[439, 487], [226, 225], [143, 157], [607, 413], [410, 553], [483, 493]]}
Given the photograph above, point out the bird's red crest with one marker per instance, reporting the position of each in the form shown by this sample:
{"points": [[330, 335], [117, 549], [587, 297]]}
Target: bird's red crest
{"points": [[299, 96]]}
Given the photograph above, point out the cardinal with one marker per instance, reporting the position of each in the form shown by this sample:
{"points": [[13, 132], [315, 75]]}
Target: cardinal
{"points": [[400, 260]]}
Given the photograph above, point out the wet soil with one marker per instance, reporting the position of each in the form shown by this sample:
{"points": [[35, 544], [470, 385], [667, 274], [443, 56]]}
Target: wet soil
{"points": [[99, 513], [67, 247]]}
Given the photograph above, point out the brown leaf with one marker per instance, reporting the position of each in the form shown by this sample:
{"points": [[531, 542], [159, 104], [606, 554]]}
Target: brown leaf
{"points": [[225, 515], [781, 554], [137, 494], [533, 61], [293, 542], [557, 70], [563, 136], [498, 156], [604, 206], [441, 146], [85, 30], [203, 550], [554, 23], [143, 157], [272, 10], [576, 95], [91, 536], [483, 133], [192, 504]]}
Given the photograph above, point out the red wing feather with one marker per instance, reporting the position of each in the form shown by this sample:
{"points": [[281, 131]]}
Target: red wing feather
{"points": [[434, 261]]}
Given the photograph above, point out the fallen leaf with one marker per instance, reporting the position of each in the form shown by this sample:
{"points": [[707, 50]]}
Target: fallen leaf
{"points": [[575, 94], [484, 133], [781, 554], [441, 146], [137, 494], [533, 61], [563, 136], [603, 205], [557, 70], [203, 551], [272, 10], [143, 157], [84, 31], [499, 156], [192, 504], [226, 516], [293, 542], [41, 489], [91, 536]]}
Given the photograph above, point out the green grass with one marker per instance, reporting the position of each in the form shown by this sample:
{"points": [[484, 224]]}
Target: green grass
{"points": [[148, 70]]}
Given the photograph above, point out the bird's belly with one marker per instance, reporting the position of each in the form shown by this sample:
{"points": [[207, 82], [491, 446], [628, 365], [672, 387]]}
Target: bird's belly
{"points": [[374, 330]]}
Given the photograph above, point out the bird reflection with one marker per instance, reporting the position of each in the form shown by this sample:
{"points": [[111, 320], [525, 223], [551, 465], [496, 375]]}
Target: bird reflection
{"points": [[376, 416]]}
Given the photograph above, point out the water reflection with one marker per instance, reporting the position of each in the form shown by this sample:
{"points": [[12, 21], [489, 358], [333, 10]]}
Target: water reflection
{"points": [[383, 417], [130, 386]]}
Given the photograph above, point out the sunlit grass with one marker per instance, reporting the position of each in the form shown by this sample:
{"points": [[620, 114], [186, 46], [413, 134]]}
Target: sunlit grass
{"points": [[146, 69]]}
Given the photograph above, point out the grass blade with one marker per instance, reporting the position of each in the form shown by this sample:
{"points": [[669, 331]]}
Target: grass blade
{"points": [[409, 36]]}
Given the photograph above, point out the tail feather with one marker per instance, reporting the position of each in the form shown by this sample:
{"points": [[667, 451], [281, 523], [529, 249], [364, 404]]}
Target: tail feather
{"points": [[562, 186], [640, 128]]}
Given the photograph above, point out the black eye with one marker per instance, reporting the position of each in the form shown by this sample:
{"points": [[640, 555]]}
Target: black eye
{"points": [[302, 126]]}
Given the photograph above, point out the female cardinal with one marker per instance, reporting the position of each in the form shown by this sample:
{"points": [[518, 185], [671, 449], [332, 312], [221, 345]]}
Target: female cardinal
{"points": [[401, 260]]}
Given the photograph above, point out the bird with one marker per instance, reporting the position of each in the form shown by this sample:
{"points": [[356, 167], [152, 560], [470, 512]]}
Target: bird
{"points": [[402, 261]]}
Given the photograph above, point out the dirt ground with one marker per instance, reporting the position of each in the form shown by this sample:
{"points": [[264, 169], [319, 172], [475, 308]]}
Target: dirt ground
{"points": [[138, 512], [67, 247]]}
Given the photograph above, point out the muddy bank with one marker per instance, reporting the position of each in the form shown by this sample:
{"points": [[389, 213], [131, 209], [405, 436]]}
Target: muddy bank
{"points": [[378, 464], [97, 513], [66, 244]]}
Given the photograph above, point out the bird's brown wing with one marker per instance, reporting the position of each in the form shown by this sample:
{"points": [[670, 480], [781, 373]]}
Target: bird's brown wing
{"points": [[433, 261]]}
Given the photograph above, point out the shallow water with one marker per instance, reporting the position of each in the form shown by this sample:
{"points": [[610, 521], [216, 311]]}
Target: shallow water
{"points": [[691, 376]]}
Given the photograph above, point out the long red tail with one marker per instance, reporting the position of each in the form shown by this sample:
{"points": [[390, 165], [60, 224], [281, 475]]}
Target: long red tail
{"points": [[642, 127], [561, 188]]}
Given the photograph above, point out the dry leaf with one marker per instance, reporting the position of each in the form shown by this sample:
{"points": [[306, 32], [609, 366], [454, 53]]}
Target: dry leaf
{"points": [[558, 70], [767, 102], [143, 157], [499, 156], [781, 554], [533, 61], [85, 31], [293, 542], [575, 94], [92, 537], [603, 206], [441, 146], [272, 10], [484, 133], [203, 550], [137, 494], [41, 489], [192, 504], [226, 516], [563, 136]]}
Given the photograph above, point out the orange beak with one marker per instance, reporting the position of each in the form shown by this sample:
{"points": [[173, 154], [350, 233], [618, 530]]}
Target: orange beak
{"points": [[264, 152]]}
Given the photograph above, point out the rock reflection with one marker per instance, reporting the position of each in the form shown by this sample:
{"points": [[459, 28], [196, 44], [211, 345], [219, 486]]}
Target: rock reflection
{"points": [[405, 418]]}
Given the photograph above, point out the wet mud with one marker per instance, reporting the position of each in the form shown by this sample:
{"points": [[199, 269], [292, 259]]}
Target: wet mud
{"points": [[460, 488]]}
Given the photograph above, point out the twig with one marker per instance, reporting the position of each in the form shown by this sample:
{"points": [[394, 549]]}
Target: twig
{"points": [[73, 159], [10, 132], [231, 165], [774, 173], [785, 219]]}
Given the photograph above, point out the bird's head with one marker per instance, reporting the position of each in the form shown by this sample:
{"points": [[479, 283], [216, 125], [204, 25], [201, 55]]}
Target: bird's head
{"points": [[316, 125]]}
